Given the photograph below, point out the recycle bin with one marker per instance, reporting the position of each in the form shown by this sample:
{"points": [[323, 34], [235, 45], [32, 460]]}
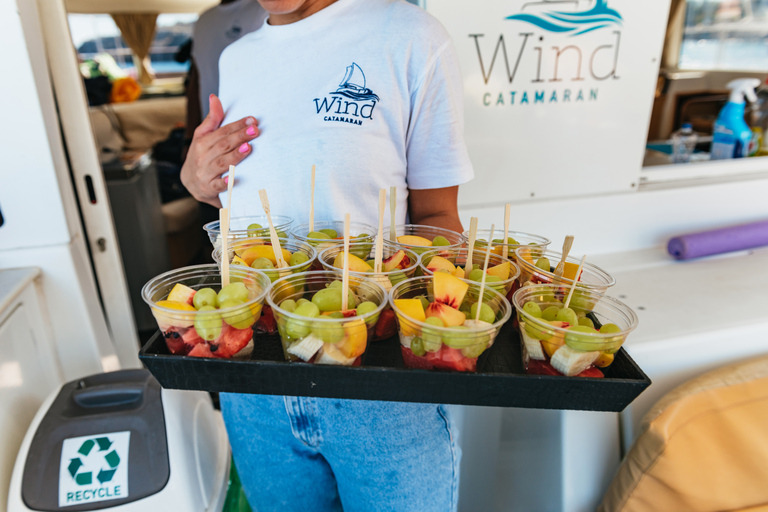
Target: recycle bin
{"points": [[118, 441]]}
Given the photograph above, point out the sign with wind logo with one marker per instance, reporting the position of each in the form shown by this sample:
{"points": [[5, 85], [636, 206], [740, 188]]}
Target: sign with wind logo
{"points": [[94, 468], [557, 93]]}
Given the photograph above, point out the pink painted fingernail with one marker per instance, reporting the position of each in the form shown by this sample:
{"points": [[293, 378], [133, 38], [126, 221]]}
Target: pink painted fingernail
{"points": [[244, 148], [226, 180], [251, 130]]}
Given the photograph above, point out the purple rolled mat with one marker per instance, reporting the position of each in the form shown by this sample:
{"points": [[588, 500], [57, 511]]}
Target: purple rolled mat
{"points": [[719, 241]]}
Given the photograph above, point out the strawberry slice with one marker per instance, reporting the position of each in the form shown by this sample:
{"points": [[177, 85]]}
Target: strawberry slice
{"points": [[536, 367], [386, 325], [412, 361]]}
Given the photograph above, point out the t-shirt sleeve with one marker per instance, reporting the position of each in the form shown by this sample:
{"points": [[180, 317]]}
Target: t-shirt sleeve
{"points": [[436, 152]]}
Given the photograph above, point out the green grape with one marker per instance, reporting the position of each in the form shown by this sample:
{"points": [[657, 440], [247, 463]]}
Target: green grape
{"points": [[371, 263], [610, 329], [613, 344], [298, 258], [547, 295], [481, 242], [362, 235], [397, 277], [330, 299], [533, 309], [494, 282], [205, 297], [459, 337], [539, 330], [550, 314], [440, 241], [301, 301], [208, 325], [424, 301], [486, 313], [254, 229], [280, 234], [329, 332], [318, 235], [580, 300], [330, 232], [475, 275], [337, 315], [365, 308], [233, 291], [417, 347], [289, 305], [581, 337], [262, 264], [475, 350], [430, 337], [465, 306], [543, 264], [336, 284], [307, 309], [567, 315], [587, 322], [240, 318], [475, 266]]}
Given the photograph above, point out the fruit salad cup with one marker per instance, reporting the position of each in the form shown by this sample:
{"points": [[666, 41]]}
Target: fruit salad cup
{"points": [[200, 318], [580, 340], [537, 266], [515, 239], [397, 265], [420, 238], [313, 327], [502, 272], [257, 253], [249, 227], [331, 233], [437, 326]]}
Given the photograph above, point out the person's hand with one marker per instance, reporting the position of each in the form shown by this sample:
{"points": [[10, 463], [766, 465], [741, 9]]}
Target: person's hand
{"points": [[213, 150]]}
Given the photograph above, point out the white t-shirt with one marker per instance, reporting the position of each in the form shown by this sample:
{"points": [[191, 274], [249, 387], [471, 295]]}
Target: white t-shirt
{"points": [[215, 29], [367, 90]]}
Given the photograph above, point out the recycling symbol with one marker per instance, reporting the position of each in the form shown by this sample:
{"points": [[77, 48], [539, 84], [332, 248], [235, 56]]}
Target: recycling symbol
{"points": [[103, 460]]}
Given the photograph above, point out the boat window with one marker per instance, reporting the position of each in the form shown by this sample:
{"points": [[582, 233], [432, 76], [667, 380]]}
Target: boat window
{"points": [[725, 35], [96, 35]]}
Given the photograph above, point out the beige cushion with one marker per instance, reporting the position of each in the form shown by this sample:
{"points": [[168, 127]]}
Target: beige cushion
{"points": [[702, 448], [181, 214], [146, 122]]}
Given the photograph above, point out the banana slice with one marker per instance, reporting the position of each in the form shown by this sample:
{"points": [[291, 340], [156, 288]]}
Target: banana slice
{"points": [[571, 362], [532, 345], [331, 355], [383, 281], [405, 340], [306, 348]]}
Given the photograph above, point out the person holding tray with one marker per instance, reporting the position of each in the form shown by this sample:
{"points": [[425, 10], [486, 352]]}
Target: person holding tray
{"points": [[370, 92]]}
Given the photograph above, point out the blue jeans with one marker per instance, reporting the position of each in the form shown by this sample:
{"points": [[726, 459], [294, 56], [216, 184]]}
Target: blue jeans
{"points": [[321, 454]]}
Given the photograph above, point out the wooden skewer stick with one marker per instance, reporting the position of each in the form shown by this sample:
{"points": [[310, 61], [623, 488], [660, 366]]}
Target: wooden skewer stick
{"points": [[281, 263], [505, 247], [573, 285], [485, 271], [345, 274], [312, 202], [567, 244], [392, 209], [380, 233], [471, 246], [224, 228]]}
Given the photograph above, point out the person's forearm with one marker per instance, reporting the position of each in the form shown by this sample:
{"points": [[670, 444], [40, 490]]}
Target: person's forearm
{"points": [[435, 207], [447, 220]]}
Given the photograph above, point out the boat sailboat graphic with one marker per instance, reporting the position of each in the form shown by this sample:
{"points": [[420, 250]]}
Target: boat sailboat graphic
{"points": [[570, 22], [353, 85]]}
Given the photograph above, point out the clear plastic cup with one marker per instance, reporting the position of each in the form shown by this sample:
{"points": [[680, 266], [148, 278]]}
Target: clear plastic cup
{"points": [[427, 346], [455, 240], [592, 277], [324, 339], [238, 228], [523, 239], [222, 333], [246, 249], [359, 233], [558, 347], [458, 257], [386, 326]]}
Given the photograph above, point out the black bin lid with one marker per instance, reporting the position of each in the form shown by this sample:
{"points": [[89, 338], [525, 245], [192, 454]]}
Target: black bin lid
{"points": [[112, 413]]}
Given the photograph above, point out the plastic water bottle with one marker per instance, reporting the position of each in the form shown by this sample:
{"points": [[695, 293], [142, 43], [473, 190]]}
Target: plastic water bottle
{"points": [[683, 143]]}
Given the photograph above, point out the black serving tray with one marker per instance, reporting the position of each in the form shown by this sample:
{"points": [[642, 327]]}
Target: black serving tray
{"points": [[500, 379]]}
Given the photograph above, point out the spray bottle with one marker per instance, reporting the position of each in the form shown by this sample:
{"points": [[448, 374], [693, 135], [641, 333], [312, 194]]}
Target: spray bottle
{"points": [[733, 137]]}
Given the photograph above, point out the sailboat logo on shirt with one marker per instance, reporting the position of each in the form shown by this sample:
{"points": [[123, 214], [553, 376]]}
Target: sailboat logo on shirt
{"points": [[351, 102]]}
